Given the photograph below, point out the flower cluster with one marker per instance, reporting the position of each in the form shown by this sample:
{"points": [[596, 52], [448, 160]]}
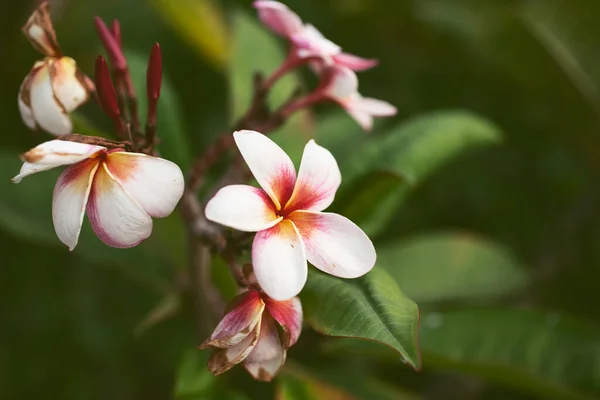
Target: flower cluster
{"points": [[122, 184]]}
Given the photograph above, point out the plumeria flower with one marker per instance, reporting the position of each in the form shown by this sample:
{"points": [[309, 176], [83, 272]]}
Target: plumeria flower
{"points": [[341, 86], [307, 42], [286, 214], [257, 331], [120, 191], [55, 86]]}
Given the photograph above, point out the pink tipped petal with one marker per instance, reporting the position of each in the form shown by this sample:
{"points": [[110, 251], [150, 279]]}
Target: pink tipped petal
{"points": [[49, 113], [222, 360], [374, 107], [278, 17], [334, 244], [269, 164], [154, 183], [55, 153], [118, 220], [365, 120], [289, 315], [268, 355], [309, 38], [279, 261], [343, 85], [242, 207], [318, 179], [24, 109], [353, 62], [239, 322], [69, 90], [71, 194]]}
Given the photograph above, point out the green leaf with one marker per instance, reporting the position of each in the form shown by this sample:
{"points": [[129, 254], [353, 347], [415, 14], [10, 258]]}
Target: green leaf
{"points": [[451, 266], [550, 354], [371, 308], [174, 144], [193, 378], [413, 151], [254, 49]]}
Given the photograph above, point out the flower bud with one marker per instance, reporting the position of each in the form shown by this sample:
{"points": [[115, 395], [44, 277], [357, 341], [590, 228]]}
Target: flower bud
{"points": [[111, 44], [106, 90], [256, 331], [40, 32]]}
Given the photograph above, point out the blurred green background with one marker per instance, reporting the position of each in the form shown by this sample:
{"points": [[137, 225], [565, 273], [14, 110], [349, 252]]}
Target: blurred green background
{"points": [[499, 243]]}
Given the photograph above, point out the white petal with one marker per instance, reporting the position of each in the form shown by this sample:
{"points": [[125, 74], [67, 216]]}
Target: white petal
{"points": [[268, 355], [223, 360], [71, 194], [318, 179], [242, 207], [47, 110], [269, 164], [343, 85], [310, 38], [278, 17], [365, 120], [279, 261], [239, 322], [117, 219], [156, 184], [334, 244], [55, 153], [24, 109], [374, 107], [69, 90]]}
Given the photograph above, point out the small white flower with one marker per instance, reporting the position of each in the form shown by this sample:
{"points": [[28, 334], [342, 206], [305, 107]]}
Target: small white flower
{"points": [[120, 191]]}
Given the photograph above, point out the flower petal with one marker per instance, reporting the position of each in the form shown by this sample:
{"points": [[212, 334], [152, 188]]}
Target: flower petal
{"points": [[237, 324], [222, 360], [269, 164], [47, 110], [288, 314], [343, 84], [118, 220], [364, 119], [334, 244], [68, 83], [55, 153], [268, 355], [279, 261], [310, 38], [374, 107], [318, 179], [156, 184], [278, 17], [353, 62], [24, 109], [242, 207], [40, 32], [70, 198]]}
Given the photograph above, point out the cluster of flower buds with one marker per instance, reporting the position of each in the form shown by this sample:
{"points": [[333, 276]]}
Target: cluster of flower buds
{"points": [[55, 86], [118, 187], [336, 69]]}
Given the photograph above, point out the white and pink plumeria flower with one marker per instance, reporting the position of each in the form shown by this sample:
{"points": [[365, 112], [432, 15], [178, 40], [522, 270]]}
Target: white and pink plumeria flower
{"points": [[119, 190], [257, 331], [286, 214], [307, 41], [341, 86], [55, 86]]}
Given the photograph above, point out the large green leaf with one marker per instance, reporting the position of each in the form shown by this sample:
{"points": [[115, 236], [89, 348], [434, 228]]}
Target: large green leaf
{"points": [[254, 49], [412, 152], [371, 308], [451, 266], [547, 353], [174, 143]]}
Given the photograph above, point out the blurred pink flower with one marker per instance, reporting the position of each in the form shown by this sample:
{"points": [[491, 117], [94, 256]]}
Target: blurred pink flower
{"points": [[256, 331], [307, 42], [120, 191], [286, 214]]}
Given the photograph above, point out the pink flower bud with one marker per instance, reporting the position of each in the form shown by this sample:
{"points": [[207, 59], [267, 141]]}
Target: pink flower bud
{"points": [[115, 29], [111, 44], [106, 90], [256, 331]]}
